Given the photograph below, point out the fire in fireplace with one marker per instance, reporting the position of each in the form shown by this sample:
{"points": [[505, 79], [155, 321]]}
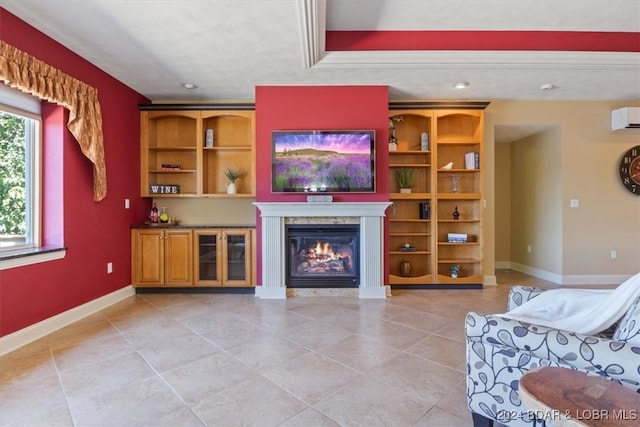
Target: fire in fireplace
{"points": [[322, 255]]}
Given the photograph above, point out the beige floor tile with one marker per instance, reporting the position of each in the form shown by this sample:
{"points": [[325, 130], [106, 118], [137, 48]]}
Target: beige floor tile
{"points": [[149, 402], [427, 322], [166, 355], [273, 350], [82, 332], [310, 418], [360, 353], [311, 377], [393, 334], [104, 375], [86, 352], [316, 334], [232, 359], [130, 307], [442, 350], [17, 367], [456, 402], [366, 402], [453, 331], [256, 402], [59, 417], [438, 417], [165, 301], [29, 398], [425, 380], [205, 377]]}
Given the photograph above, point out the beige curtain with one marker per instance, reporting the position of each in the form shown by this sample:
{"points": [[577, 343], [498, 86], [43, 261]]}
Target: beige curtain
{"points": [[28, 74]]}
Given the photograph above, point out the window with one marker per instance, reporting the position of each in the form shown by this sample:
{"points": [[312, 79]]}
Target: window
{"points": [[20, 171]]}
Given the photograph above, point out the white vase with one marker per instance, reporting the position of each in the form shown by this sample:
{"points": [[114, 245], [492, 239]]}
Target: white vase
{"points": [[231, 188]]}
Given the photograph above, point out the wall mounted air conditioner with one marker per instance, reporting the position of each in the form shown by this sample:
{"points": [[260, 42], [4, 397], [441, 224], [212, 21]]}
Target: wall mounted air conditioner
{"points": [[625, 118]]}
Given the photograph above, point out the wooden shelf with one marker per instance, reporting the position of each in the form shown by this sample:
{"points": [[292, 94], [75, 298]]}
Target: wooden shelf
{"points": [[452, 135], [178, 137], [459, 196]]}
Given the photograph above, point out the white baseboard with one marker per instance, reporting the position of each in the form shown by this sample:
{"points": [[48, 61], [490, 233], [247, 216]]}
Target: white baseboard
{"points": [[24, 336], [571, 279]]}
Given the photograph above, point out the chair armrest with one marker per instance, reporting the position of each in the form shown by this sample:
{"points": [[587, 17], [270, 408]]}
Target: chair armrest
{"points": [[518, 295], [613, 359]]}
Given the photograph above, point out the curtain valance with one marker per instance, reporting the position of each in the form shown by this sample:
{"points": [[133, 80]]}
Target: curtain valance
{"points": [[28, 74]]}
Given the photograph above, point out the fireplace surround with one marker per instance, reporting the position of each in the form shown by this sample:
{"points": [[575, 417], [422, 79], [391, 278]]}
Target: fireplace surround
{"points": [[368, 217]]}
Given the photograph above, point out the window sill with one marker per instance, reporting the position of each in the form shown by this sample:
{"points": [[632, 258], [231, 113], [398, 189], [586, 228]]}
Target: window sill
{"points": [[20, 258]]}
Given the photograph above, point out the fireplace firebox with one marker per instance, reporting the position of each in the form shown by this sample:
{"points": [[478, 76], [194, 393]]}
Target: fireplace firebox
{"points": [[322, 255]]}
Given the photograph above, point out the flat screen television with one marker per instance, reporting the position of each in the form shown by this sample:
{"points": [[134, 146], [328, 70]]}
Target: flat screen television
{"points": [[323, 161]]}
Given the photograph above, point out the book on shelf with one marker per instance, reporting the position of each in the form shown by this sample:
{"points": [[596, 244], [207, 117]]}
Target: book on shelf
{"points": [[472, 160], [424, 210], [457, 237], [171, 167]]}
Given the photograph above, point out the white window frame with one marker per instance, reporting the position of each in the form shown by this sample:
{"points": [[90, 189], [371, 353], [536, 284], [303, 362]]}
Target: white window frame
{"points": [[24, 105]]}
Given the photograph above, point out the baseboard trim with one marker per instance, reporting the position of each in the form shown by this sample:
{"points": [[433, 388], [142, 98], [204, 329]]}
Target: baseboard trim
{"points": [[571, 279], [24, 336]]}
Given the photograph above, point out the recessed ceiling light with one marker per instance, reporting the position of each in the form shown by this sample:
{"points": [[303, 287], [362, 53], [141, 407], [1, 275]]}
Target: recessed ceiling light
{"points": [[547, 87], [461, 85], [189, 86]]}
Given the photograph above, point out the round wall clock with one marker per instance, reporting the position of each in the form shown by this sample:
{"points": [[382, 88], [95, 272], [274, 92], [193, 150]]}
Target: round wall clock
{"points": [[630, 170]]}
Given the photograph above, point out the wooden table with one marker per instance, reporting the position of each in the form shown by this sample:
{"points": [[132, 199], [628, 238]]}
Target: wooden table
{"points": [[568, 398]]}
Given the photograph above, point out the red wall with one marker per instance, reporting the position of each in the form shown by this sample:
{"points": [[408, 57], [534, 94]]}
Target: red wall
{"points": [[319, 107], [93, 232]]}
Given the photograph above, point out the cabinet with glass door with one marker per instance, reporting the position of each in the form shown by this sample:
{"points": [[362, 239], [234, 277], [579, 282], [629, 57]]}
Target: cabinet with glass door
{"points": [[223, 257]]}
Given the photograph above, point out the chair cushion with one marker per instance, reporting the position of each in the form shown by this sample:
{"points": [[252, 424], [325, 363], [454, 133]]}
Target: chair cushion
{"points": [[629, 327]]}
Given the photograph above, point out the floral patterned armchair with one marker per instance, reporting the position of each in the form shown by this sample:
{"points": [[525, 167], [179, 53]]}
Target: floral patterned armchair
{"points": [[501, 350]]}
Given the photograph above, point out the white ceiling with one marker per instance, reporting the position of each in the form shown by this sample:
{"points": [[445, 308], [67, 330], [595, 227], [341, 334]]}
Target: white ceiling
{"points": [[227, 47]]}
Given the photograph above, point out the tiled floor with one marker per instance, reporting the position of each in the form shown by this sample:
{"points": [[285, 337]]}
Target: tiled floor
{"points": [[235, 360]]}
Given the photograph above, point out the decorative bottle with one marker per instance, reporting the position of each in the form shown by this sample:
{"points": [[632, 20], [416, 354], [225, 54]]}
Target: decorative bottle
{"points": [[154, 214], [456, 214]]}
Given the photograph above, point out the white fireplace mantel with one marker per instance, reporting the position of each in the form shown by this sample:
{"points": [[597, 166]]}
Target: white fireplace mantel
{"points": [[273, 249]]}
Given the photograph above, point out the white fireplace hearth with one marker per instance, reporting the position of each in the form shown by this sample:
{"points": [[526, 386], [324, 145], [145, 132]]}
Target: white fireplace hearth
{"points": [[275, 215]]}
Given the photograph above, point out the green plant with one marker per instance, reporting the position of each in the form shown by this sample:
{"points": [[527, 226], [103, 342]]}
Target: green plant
{"points": [[405, 177], [232, 174]]}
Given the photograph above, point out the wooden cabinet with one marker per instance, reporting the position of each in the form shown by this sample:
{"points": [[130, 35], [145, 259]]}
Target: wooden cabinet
{"points": [[175, 152], [162, 257], [206, 257], [170, 138], [233, 136], [223, 257], [458, 141], [410, 222], [423, 229]]}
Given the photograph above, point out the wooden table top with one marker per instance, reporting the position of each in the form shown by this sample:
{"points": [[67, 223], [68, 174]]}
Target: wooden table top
{"points": [[570, 398]]}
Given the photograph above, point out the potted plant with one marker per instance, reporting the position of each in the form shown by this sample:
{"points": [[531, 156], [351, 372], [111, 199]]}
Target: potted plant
{"points": [[232, 175], [455, 269], [405, 177]]}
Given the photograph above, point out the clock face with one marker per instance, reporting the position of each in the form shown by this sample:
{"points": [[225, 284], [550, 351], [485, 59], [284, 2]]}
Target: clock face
{"points": [[630, 170]]}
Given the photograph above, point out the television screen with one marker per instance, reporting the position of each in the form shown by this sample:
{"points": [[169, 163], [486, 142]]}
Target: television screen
{"points": [[323, 161]]}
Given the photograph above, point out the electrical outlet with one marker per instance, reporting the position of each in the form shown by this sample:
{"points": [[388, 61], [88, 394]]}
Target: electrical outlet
{"points": [[529, 248], [109, 267], [614, 254], [575, 203]]}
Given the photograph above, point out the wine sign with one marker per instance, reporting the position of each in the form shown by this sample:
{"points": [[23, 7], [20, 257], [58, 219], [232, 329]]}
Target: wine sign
{"points": [[164, 189]]}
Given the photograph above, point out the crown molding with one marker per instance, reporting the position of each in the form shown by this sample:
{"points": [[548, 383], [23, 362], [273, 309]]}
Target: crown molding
{"points": [[313, 29], [313, 14], [480, 59]]}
